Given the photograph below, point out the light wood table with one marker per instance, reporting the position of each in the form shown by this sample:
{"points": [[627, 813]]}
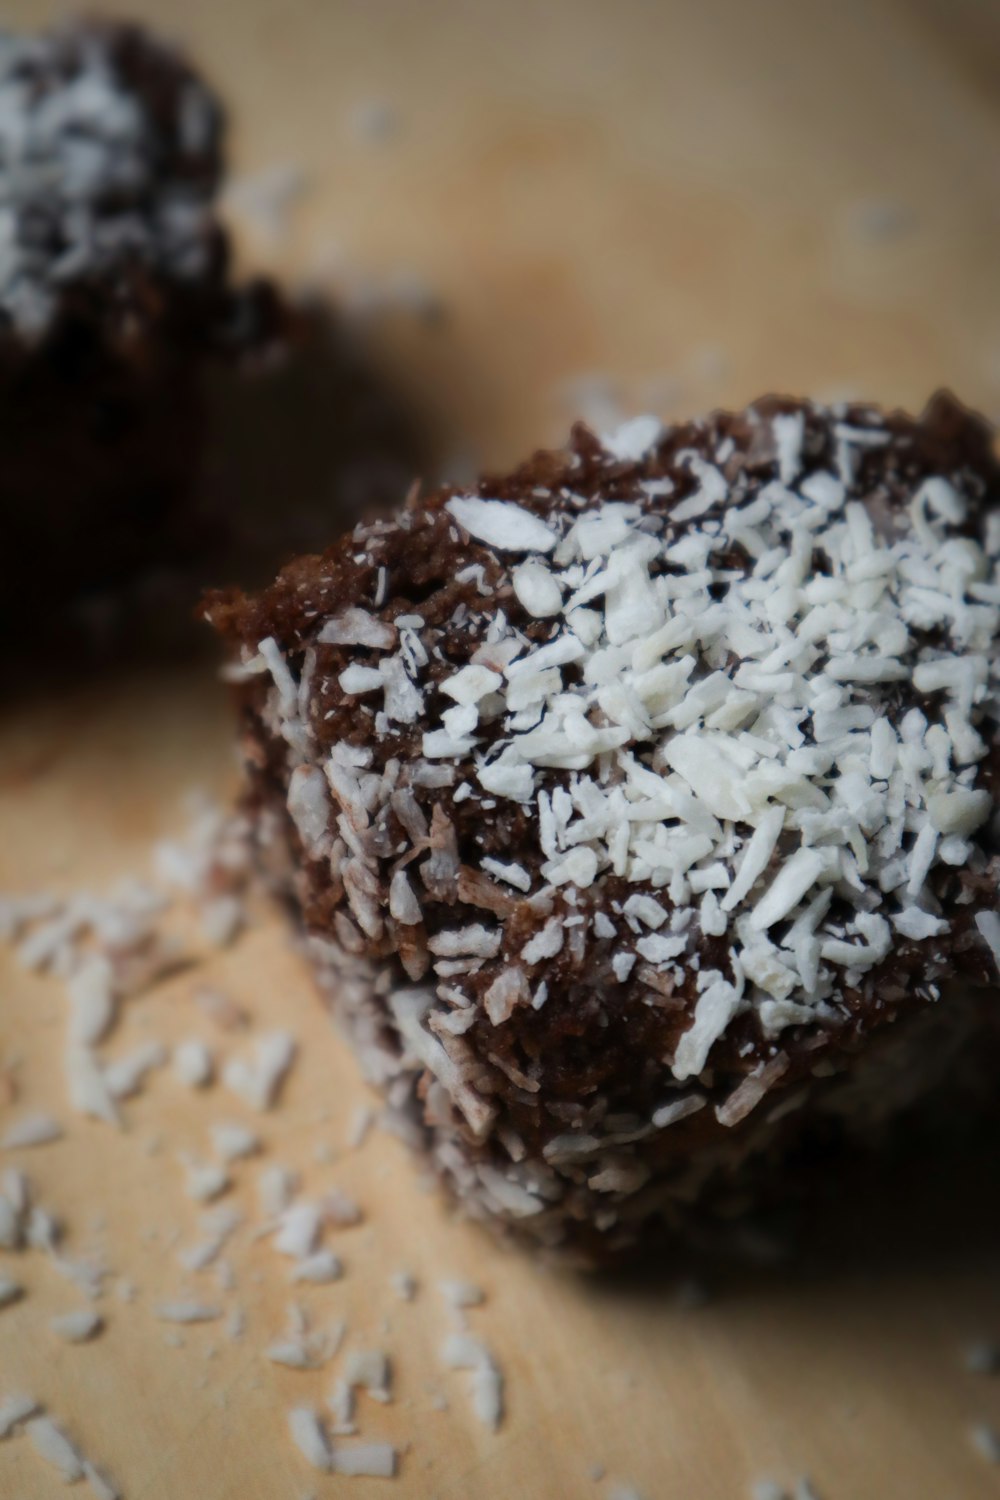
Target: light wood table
{"points": [[695, 202]]}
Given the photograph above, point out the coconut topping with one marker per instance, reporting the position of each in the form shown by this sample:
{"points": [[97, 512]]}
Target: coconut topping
{"points": [[96, 173], [710, 707]]}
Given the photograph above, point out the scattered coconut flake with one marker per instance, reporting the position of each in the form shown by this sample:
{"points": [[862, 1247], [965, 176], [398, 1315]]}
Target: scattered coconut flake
{"points": [[89, 1092], [100, 1485], [31, 1130], [259, 1081], [319, 1268], [77, 1327], [294, 1353], [276, 1187], [361, 1123], [339, 1209], [193, 1063], [234, 1142], [205, 1181], [298, 1230], [462, 1294], [767, 1489], [187, 1312], [309, 1436], [91, 994], [10, 1291], [461, 1351], [13, 1411], [221, 919], [52, 1444], [378, 1460], [368, 1369], [126, 1075]]}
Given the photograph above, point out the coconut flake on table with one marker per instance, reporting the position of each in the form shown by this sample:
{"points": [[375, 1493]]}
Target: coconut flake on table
{"points": [[339, 1209], [220, 919], [87, 1086], [77, 1327], [276, 1187], [14, 1410], [368, 1370], [187, 1312], [404, 1284], [362, 1120], [91, 993], [376, 1460], [232, 1141], [34, 1129], [204, 1181], [294, 1354], [460, 1351], [258, 1082], [218, 1225], [101, 1487], [320, 1267], [51, 1443], [309, 1436], [193, 1063], [298, 1229], [461, 1294], [10, 1291], [126, 1075], [768, 1489]]}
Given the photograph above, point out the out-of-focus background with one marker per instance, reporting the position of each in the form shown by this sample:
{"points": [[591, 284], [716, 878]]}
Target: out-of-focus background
{"points": [[527, 213], [669, 203]]}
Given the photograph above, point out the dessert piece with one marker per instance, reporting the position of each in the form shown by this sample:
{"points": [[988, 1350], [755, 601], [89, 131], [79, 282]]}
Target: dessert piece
{"points": [[114, 293], [638, 808]]}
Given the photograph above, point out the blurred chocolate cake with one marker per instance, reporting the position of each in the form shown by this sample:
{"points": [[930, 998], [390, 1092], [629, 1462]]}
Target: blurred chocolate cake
{"points": [[115, 297]]}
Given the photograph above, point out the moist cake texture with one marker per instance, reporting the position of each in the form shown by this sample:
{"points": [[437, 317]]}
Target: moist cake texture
{"points": [[114, 291], [637, 808]]}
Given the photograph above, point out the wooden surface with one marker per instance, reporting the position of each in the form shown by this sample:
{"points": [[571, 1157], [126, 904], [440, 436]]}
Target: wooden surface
{"points": [[699, 202]]}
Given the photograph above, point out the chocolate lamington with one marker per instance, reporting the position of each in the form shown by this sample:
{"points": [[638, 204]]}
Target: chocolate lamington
{"points": [[637, 808], [115, 291]]}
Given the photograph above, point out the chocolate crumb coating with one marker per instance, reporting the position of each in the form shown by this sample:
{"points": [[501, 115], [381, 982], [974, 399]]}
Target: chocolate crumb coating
{"points": [[637, 807], [115, 292]]}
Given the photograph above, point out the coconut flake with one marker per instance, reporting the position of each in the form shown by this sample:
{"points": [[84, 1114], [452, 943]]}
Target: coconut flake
{"points": [[193, 1063], [630, 442], [309, 1436], [259, 1081], [77, 1327], [13, 1411], [31, 1130], [501, 523]]}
